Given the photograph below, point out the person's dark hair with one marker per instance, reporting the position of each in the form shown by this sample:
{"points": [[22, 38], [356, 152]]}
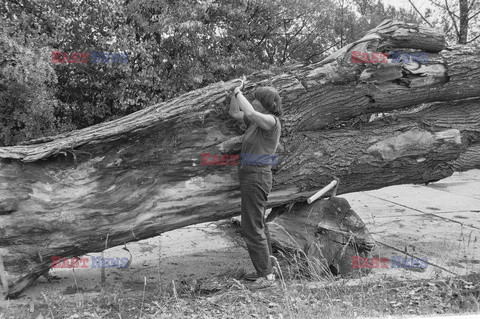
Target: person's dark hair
{"points": [[270, 99]]}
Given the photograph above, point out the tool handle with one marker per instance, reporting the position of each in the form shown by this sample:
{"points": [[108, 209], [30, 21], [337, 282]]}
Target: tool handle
{"points": [[321, 192]]}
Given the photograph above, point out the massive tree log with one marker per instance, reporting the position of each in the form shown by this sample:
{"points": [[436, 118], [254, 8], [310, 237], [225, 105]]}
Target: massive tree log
{"points": [[369, 124]]}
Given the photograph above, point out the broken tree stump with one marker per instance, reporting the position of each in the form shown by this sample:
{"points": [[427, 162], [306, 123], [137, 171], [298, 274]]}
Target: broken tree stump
{"points": [[321, 239]]}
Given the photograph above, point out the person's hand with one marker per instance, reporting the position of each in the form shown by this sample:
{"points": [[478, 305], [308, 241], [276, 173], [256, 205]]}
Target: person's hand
{"points": [[239, 88]]}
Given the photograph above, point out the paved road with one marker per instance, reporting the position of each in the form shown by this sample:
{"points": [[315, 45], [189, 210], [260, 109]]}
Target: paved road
{"points": [[440, 221]]}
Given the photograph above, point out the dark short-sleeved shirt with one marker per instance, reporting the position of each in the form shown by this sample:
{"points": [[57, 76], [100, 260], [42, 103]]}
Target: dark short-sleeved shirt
{"points": [[259, 145]]}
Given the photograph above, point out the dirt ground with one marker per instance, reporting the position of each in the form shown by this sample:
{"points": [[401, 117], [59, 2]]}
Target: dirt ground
{"points": [[191, 253], [439, 221]]}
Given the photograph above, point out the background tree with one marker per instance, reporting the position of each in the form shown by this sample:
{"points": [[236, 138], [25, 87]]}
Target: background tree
{"points": [[459, 19], [173, 47], [28, 105]]}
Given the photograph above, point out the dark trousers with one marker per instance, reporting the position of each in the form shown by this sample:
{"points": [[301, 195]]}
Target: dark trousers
{"points": [[255, 185]]}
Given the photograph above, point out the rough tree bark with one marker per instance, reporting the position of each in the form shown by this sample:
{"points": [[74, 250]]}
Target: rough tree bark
{"points": [[141, 175]]}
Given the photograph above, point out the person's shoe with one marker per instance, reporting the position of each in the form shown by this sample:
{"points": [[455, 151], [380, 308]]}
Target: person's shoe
{"points": [[253, 276], [264, 282]]}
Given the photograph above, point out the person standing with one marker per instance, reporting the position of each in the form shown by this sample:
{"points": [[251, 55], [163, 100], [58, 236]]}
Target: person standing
{"points": [[259, 144]]}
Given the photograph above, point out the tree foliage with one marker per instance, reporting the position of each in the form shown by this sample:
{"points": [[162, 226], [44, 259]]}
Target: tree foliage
{"points": [[27, 101], [459, 19], [172, 46]]}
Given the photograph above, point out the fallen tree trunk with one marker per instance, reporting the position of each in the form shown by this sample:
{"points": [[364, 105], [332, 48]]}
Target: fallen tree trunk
{"points": [[141, 175]]}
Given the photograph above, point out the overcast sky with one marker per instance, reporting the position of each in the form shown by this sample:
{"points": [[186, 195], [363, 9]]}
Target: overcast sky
{"points": [[420, 4]]}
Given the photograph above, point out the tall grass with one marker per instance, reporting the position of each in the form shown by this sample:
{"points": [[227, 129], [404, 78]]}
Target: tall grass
{"points": [[292, 298]]}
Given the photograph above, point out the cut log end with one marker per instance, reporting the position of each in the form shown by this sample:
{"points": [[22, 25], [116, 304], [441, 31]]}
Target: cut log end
{"points": [[324, 237]]}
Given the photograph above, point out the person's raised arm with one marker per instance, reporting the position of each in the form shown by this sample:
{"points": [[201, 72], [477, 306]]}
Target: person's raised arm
{"points": [[235, 109], [265, 121]]}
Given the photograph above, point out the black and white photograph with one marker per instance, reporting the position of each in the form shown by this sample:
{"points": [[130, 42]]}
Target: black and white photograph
{"points": [[240, 159]]}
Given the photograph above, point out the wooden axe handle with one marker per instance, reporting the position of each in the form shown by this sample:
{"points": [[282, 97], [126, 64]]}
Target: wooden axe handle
{"points": [[321, 192]]}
